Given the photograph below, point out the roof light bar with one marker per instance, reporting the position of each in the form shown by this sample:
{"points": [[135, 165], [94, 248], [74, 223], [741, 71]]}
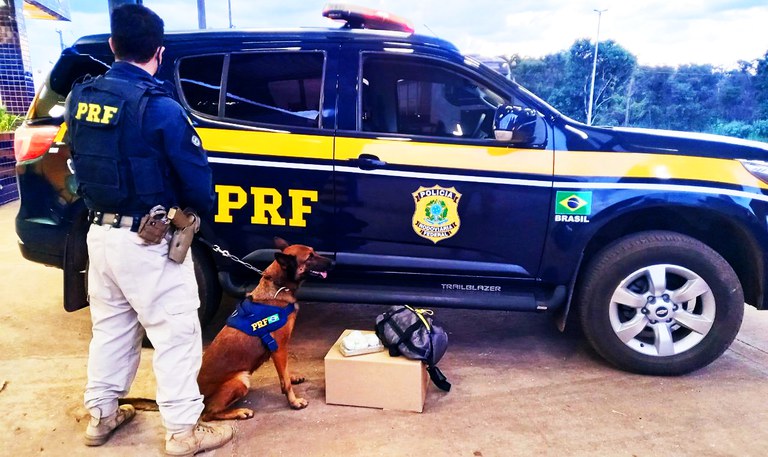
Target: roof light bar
{"points": [[360, 17]]}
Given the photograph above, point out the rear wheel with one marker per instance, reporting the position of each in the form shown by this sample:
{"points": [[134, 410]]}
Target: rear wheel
{"points": [[660, 303]]}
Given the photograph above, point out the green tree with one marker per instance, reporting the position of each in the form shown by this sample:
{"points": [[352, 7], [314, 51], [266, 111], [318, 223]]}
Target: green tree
{"points": [[615, 66], [543, 76], [737, 96], [683, 98], [761, 85], [563, 79], [700, 98], [510, 61]]}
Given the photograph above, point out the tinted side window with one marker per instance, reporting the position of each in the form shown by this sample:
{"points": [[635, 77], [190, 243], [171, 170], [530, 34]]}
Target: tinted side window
{"points": [[418, 97], [200, 79], [282, 88]]}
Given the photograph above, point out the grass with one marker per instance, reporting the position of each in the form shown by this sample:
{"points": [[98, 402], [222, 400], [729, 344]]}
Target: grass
{"points": [[8, 121]]}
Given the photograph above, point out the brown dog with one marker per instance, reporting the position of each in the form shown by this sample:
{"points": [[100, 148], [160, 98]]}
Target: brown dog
{"points": [[233, 355]]}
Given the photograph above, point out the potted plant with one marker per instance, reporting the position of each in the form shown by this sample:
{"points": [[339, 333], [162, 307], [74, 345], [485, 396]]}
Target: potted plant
{"points": [[8, 123]]}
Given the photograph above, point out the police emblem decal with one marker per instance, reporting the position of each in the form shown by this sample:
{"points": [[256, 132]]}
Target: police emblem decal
{"points": [[196, 141], [436, 215]]}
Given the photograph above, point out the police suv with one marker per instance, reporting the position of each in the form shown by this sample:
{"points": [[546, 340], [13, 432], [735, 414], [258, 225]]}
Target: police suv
{"points": [[432, 180]]}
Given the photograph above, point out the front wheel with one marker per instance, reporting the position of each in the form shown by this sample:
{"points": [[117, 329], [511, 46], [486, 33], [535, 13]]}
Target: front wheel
{"points": [[660, 303]]}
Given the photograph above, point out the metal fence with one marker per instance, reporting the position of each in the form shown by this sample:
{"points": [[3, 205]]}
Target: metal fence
{"points": [[9, 191]]}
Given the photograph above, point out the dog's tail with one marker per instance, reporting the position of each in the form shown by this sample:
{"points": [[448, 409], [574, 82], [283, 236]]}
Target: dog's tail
{"points": [[141, 404]]}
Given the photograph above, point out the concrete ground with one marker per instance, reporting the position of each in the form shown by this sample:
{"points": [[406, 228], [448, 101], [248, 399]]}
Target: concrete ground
{"points": [[519, 388]]}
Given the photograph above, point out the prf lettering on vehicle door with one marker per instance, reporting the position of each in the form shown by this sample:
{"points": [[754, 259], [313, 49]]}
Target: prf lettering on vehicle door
{"points": [[266, 203]]}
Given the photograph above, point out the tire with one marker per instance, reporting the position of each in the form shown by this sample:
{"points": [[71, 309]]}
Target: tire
{"points": [[660, 303], [208, 285]]}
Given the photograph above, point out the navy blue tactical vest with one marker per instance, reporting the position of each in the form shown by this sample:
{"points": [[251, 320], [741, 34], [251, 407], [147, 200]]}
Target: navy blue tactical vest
{"points": [[258, 319], [117, 170]]}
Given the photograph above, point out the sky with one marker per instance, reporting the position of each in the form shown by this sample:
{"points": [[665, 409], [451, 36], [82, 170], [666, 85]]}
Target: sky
{"points": [[657, 32]]}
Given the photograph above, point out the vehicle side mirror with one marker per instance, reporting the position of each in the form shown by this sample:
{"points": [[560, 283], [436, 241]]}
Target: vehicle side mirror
{"points": [[514, 124]]}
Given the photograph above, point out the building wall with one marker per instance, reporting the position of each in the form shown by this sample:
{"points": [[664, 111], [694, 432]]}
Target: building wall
{"points": [[8, 188], [17, 88]]}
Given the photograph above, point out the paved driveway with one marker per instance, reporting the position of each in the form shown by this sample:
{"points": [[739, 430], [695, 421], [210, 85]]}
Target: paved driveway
{"points": [[520, 388]]}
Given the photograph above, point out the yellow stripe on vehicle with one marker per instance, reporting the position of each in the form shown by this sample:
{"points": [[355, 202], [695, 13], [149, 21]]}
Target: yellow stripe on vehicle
{"points": [[267, 143], [59, 138], [456, 156], [395, 151], [655, 166]]}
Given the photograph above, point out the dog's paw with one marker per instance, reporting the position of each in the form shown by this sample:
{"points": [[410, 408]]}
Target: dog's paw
{"points": [[299, 403], [297, 379], [242, 413]]}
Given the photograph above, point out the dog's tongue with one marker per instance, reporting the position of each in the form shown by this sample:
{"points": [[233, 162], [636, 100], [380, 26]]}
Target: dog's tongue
{"points": [[323, 274]]}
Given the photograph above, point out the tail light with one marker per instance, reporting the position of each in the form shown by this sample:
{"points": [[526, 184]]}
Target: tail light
{"points": [[31, 143]]}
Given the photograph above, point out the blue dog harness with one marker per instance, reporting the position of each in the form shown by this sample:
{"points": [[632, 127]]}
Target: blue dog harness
{"points": [[258, 319]]}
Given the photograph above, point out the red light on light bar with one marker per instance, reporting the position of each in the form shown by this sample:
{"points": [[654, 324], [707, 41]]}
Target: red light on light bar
{"points": [[360, 17]]}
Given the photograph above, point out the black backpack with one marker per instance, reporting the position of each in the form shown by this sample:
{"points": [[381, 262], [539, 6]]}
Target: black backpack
{"points": [[410, 332]]}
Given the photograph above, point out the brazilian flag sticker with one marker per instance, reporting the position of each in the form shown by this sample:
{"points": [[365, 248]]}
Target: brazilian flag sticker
{"points": [[568, 202]]}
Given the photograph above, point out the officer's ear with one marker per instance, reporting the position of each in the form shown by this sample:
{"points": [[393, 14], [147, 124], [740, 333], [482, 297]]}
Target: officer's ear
{"points": [[111, 45]]}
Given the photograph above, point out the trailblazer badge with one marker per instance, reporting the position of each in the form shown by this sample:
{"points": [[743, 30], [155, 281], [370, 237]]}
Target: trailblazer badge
{"points": [[436, 216]]}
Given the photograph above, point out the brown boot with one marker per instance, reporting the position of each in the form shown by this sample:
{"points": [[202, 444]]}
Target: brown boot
{"points": [[201, 438], [101, 428]]}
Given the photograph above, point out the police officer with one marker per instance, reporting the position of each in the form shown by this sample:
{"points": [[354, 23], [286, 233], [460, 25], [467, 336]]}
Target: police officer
{"points": [[134, 148]]}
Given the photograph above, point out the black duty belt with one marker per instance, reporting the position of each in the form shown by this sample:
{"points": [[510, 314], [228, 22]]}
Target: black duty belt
{"points": [[115, 220]]}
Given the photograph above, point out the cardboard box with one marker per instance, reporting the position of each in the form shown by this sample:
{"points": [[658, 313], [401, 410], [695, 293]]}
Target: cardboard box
{"points": [[374, 380]]}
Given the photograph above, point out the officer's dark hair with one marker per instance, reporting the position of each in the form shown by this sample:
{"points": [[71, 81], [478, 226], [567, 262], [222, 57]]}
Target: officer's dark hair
{"points": [[137, 32]]}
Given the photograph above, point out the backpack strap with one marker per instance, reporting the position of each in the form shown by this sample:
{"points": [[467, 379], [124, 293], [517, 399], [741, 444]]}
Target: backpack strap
{"points": [[382, 323], [404, 336], [439, 378], [419, 312]]}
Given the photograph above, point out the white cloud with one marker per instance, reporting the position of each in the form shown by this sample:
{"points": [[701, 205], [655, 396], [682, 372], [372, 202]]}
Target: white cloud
{"points": [[658, 32]]}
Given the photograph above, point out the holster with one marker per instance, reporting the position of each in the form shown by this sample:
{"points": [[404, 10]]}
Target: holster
{"points": [[152, 229], [186, 223]]}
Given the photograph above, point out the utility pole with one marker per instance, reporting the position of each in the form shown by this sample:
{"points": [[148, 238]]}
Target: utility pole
{"points": [[61, 39], [229, 8], [594, 68], [201, 14], [629, 98]]}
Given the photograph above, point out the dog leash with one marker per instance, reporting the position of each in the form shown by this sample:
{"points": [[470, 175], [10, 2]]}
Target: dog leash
{"points": [[225, 253]]}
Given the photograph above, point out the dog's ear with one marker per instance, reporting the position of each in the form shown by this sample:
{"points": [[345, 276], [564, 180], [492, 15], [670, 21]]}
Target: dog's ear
{"points": [[286, 261], [280, 243]]}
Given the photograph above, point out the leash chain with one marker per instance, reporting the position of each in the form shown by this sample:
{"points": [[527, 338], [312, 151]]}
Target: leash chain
{"points": [[226, 253]]}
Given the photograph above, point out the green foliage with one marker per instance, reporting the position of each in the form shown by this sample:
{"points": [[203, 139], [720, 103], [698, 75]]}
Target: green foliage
{"points": [[757, 130], [8, 121], [564, 79], [760, 130], [737, 129], [699, 98]]}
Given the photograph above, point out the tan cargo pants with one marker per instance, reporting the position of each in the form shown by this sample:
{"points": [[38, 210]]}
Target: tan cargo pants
{"points": [[130, 286]]}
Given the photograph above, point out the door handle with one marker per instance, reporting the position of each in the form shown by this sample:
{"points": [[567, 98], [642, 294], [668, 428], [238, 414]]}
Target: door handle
{"points": [[369, 162]]}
